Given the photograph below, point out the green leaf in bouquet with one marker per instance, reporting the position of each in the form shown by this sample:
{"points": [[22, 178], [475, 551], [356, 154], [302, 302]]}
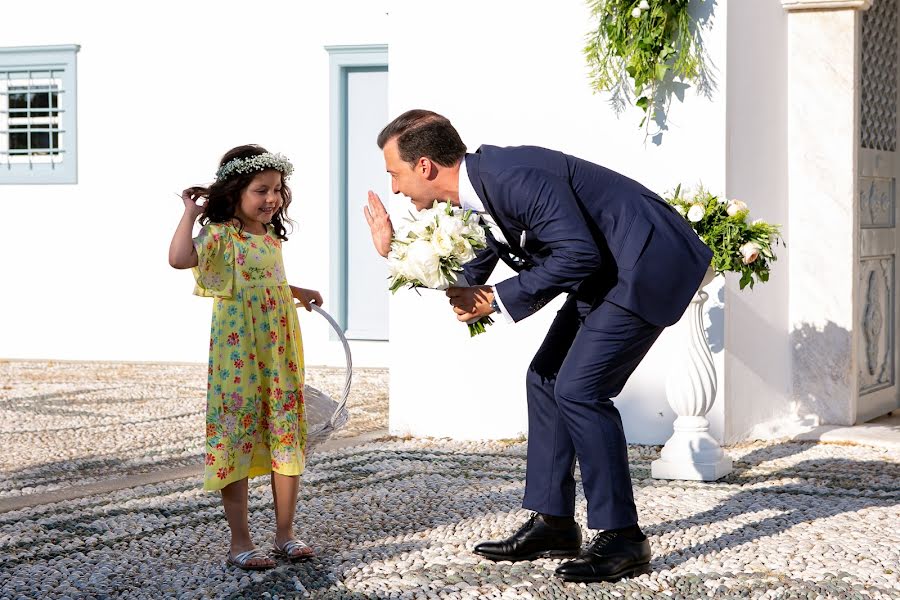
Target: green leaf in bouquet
{"points": [[397, 284]]}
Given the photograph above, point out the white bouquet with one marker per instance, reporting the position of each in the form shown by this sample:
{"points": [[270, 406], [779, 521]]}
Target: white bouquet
{"points": [[431, 249]]}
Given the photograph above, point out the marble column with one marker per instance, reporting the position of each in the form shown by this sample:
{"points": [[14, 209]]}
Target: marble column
{"points": [[823, 246]]}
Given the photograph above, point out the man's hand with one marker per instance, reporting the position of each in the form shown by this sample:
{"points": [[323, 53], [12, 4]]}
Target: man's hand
{"points": [[471, 303], [379, 223]]}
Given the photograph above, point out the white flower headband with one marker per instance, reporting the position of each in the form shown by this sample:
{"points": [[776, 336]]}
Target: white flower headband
{"points": [[260, 162]]}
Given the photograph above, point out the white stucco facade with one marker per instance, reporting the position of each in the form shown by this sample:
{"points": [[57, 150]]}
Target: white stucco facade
{"points": [[525, 82], [757, 348], [159, 102]]}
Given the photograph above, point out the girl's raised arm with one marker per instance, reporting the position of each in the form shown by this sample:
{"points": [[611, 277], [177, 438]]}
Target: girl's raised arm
{"points": [[182, 254]]}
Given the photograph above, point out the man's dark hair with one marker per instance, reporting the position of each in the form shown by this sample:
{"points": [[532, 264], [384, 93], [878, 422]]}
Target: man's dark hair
{"points": [[424, 133]]}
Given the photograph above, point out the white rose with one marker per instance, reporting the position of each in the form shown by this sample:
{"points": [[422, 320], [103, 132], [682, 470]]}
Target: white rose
{"points": [[428, 215], [749, 252], [644, 5], [398, 251], [396, 267], [419, 228], [431, 210], [636, 12], [680, 209], [401, 231], [463, 251], [475, 233], [734, 207], [722, 200], [396, 260], [695, 213], [424, 265], [452, 226], [442, 242]]}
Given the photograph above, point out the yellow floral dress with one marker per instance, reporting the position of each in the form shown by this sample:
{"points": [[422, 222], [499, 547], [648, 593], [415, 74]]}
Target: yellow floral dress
{"points": [[255, 421]]}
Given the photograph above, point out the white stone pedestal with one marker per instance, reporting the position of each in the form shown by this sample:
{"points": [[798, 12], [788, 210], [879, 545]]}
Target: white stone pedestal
{"points": [[691, 452]]}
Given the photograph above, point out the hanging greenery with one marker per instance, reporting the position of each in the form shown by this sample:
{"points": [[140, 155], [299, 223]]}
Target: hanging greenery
{"points": [[649, 42]]}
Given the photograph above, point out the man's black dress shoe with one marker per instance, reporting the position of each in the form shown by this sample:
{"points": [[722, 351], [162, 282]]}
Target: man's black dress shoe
{"points": [[535, 539], [610, 556]]}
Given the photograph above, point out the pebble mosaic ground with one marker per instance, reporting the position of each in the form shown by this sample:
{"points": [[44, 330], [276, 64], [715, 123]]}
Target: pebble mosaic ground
{"points": [[398, 518]]}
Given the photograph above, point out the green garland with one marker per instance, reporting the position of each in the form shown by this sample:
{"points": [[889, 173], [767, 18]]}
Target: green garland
{"points": [[644, 40]]}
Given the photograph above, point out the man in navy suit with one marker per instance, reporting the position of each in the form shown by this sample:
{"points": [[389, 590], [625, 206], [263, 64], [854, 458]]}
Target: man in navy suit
{"points": [[630, 265]]}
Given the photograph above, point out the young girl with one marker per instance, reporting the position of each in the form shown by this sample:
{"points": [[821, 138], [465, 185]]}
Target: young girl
{"points": [[255, 422]]}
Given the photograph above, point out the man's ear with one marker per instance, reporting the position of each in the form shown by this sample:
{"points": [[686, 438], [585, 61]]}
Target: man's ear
{"points": [[426, 168]]}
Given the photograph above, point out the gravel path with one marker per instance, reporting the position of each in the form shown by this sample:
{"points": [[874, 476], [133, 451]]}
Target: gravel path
{"points": [[398, 518], [65, 423]]}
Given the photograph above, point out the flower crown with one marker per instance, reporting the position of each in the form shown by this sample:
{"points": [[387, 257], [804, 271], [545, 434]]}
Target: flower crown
{"points": [[260, 162]]}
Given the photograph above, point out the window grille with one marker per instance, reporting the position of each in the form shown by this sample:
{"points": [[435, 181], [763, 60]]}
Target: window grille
{"points": [[37, 115]]}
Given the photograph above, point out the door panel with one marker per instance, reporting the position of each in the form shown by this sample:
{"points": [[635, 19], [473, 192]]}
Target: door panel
{"points": [[366, 283], [877, 357]]}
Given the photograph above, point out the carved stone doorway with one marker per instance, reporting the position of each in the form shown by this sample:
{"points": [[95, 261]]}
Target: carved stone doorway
{"points": [[879, 166]]}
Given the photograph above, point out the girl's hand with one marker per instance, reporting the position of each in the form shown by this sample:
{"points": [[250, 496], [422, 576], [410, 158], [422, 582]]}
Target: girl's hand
{"points": [[307, 297], [190, 196]]}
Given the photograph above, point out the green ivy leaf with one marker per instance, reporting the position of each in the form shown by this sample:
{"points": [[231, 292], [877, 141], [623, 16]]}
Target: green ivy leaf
{"points": [[661, 70]]}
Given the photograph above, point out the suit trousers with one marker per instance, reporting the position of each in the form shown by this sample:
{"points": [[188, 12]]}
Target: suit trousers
{"points": [[587, 356]]}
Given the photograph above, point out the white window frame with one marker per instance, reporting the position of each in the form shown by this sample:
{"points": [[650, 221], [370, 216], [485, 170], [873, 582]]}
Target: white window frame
{"points": [[18, 65]]}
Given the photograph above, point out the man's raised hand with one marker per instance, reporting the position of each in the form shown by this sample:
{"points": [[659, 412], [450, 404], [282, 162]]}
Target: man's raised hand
{"points": [[379, 224]]}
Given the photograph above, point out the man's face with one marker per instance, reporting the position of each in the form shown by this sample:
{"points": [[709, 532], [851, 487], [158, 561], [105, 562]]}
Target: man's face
{"points": [[410, 180]]}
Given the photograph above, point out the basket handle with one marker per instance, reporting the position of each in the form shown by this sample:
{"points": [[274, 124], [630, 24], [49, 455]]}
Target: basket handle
{"points": [[349, 361]]}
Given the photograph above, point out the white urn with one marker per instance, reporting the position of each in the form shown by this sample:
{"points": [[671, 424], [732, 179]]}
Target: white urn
{"points": [[691, 452]]}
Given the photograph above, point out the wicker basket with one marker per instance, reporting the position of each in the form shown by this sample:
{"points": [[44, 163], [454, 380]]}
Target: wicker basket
{"points": [[324, 415]]}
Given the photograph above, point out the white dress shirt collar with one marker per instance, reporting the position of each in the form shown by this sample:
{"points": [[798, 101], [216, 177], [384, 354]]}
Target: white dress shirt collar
{"points": [[468, 198]]}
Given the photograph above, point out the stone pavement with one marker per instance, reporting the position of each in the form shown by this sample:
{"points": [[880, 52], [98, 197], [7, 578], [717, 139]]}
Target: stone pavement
{"points": [[396, 518]]}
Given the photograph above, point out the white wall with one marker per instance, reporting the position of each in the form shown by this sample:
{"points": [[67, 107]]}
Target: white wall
{"points": [[159, 104], [757, 330], [164, 89], [518, 76]]}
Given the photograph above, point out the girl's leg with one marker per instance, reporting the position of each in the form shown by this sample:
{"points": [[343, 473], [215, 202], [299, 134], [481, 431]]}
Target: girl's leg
{"points": [[234, 499], [284, 493]]}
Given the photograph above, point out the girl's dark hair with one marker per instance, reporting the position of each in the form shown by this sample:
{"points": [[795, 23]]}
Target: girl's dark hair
{"points": [[225, 196], [424, 133]]}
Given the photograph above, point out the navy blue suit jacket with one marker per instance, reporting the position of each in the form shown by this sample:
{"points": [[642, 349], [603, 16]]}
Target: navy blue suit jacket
{"points": [[574, 226]]}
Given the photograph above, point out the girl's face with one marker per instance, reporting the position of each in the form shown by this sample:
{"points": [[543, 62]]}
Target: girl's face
{"points": [[260, 201]]}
